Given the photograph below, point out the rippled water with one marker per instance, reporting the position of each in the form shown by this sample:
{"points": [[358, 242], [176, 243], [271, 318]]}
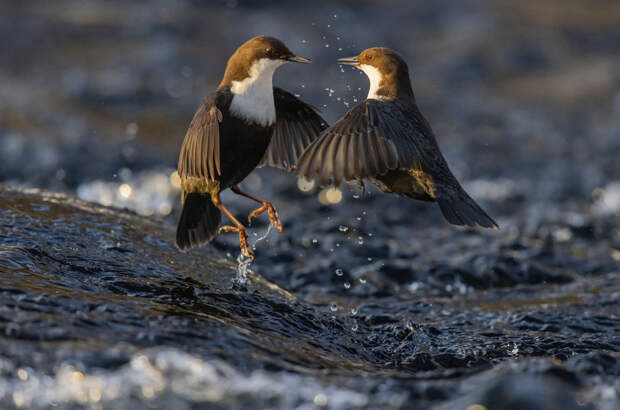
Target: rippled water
{"points": [[365, 300], [98, 307]]}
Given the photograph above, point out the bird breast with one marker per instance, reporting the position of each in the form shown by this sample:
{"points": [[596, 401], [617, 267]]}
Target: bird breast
{"points": [[253, 96], [375, 78]]}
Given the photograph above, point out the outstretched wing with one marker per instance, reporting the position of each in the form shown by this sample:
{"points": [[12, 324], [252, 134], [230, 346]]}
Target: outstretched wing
{"points": [[200, 151], [377, 137], [297, 125], [370, 140]]}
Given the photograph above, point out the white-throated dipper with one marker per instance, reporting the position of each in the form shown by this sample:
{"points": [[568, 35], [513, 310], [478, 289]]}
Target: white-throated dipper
{"points": [[387, 141], [245, 123]]}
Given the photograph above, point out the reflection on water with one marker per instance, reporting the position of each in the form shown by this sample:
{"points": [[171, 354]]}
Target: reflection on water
{"points": [[147, 193]]}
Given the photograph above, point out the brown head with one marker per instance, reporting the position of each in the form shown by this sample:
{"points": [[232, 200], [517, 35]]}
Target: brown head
{"points": [[260, 55], [387, 71]]}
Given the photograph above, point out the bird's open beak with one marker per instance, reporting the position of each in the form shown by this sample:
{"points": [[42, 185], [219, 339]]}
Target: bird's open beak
{"points": [[349, 61], [297, 59]]}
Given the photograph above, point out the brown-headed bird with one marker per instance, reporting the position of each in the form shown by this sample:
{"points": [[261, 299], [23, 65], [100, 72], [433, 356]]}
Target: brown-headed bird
{"points": [[245, 123], [387, 141]]}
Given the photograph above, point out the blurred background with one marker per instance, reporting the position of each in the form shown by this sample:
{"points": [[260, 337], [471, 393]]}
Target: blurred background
{"points": [[95, 96], [365, 299]]}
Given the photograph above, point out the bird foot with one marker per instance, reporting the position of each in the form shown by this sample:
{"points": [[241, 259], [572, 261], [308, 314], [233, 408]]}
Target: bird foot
{"points": [[273, 215], [246, 249]]}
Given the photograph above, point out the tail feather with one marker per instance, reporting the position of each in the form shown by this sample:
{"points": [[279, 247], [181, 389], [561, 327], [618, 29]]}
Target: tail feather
{"points": [[460, 209], [198, 223]]}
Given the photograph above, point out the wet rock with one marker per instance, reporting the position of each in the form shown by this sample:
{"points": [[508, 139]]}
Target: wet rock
{"points": [[77, 276]]}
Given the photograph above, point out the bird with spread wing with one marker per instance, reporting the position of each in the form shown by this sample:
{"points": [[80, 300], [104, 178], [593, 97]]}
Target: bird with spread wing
{"points": [[386, 140], [245, 123]]}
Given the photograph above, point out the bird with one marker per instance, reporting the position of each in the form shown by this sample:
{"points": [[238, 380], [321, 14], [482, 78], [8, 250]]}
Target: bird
{"points": [[244, 124], [387, 141]]}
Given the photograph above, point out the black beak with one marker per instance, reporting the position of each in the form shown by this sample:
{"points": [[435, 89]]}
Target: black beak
{"points": [[349, 61], [297, 59]]}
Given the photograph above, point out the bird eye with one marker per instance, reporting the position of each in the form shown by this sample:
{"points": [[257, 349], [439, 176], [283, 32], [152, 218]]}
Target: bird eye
{"points": [[369, 57]]}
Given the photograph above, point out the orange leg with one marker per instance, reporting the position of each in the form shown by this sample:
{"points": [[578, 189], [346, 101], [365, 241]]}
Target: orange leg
{"points": [[243, 235], [267, 206]]}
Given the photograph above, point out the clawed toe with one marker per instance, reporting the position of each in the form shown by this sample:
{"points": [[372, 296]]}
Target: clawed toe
{"points": [[273, 215], [244, 244]]}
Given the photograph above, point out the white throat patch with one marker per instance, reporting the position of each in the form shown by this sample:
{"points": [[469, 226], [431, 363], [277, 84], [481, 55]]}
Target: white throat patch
{"points": [[253, 97], [375, 77]]}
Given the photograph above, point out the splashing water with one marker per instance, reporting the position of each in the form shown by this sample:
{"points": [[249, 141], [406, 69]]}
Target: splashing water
{"points": [[260, 238], [243, 266], [244, 261]]}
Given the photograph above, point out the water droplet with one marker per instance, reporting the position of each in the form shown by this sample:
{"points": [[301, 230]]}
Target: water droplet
{"points": [[362, 280], [359, 218], [343, 228], [337, 245], [356, 196], [354, 327], [333, 307], [369, 259], [360, 240], [339, 272], [347, 285], [354, 311], [369, 233], [315, 241]]}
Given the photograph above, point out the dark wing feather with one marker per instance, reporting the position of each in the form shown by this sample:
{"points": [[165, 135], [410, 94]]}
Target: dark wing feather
{"points": [[376, 137], [371, 139], [297, 125], [200, 151]]}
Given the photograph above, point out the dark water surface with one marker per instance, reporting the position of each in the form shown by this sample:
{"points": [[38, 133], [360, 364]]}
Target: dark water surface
{"points": [[365, 300], [102, 309]]}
